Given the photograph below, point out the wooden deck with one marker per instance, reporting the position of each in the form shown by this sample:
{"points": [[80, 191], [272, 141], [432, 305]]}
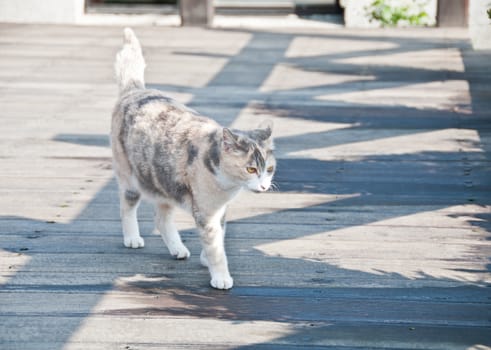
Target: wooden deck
{"points": [[379, 236]]}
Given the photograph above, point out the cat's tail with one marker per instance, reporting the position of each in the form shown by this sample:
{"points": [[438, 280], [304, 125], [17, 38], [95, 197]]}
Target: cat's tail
{"points": [[130, 64]]}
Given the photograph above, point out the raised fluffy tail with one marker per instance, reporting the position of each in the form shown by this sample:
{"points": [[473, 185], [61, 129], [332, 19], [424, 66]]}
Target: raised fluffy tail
{"points": [[130, 64]]}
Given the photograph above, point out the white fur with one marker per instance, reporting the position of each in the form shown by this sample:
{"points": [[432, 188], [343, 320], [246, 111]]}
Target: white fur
{"points": [[213, 254], [169, 233], [260, 183], [131, 232], [130, 64]]}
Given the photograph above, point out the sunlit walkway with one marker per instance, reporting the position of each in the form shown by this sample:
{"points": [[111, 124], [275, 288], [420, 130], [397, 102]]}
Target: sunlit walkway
{"points": [[379, 236]]}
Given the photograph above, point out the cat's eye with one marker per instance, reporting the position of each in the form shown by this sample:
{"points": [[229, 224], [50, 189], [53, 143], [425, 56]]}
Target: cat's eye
{"points": [[251, 170], [270, 169]]}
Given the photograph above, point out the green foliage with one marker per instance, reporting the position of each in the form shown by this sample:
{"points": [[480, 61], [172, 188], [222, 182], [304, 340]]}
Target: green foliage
{"points": [[489, 13], [391, 15]]}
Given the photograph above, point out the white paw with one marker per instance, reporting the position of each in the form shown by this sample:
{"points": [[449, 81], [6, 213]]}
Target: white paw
{"points": [[180, 253], [203, 259], [134, 242], [222, 282]]}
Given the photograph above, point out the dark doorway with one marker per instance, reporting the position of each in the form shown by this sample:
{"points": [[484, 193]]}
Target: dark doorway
{"points": [[132, 6], [226, 7]]}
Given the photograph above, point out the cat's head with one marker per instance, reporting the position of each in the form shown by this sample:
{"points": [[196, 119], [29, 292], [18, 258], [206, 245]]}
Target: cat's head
{"points": [[247, 157]]}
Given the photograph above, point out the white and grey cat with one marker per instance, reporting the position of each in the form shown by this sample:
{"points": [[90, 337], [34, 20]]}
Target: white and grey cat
{"points": [[171, 155]]}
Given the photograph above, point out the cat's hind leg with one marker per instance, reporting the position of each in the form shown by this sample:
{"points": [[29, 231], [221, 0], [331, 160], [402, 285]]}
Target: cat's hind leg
{"points": [[168, 230], [129, 201]]}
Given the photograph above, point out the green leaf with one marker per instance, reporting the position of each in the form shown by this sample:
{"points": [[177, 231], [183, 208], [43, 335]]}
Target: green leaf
{"points": [[391, 15]]}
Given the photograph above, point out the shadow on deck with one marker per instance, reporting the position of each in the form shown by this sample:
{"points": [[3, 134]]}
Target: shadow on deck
{"points": [[388, 306]]}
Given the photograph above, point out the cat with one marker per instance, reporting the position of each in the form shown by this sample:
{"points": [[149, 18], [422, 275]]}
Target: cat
{"points": [[171, 155]]}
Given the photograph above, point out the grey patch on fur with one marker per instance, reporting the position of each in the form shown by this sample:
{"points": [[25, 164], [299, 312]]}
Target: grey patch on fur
{"points": [[199, 218], [192, 153], [260, 135], [132, 197], [208, 165], [141, 161], [179, 191], [145, 179], [258, 159], [167, 114], [244, 146], [241, 143], [212, 157], [206, 230], [166, 174], [161, 98], [135, 106], [123, 135], [171, 117]]}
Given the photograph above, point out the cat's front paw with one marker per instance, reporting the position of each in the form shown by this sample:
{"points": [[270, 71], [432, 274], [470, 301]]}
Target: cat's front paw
{"points": [[222, 282], [134, 242], [180, 253]]}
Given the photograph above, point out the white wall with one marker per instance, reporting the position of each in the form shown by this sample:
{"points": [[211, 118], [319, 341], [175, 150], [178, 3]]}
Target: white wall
{"points": [[480, 24], [41, 11]]}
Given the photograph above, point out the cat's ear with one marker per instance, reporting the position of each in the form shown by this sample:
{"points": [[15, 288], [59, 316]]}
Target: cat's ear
{"points": [[266, 128], [230, 140]]}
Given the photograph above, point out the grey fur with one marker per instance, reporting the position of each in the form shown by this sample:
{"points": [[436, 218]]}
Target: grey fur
{"points": [[259, 135], [199, 218], [212, 157], [257, 158], [151, 98], [192, 153], [164, 164], [132, 197], [239, 140]]}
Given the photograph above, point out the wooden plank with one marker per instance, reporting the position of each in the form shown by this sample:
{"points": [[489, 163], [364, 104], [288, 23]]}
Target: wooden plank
{"points": [[247, 232], [320, 218], [182, 304], [317, 218], [243, 262], [199, 277], [105, 330], [131, 285], [424, 171], [310, 265]]}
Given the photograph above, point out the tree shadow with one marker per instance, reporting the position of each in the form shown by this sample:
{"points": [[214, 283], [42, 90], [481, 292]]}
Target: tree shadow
{"points": [[330, 308]]}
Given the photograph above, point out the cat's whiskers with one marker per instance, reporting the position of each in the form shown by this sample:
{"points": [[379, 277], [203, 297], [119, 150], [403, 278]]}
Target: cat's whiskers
{"points": [[274, 187]]}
